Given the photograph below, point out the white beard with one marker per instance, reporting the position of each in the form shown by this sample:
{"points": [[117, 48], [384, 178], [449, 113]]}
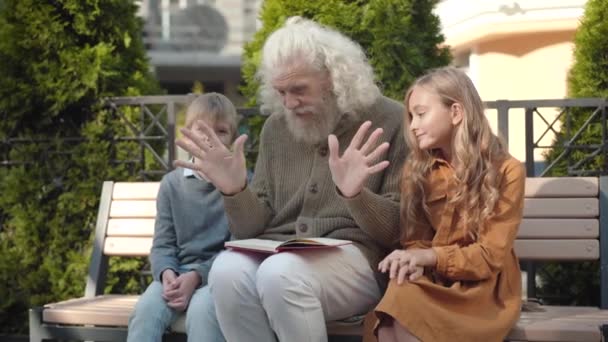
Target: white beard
{"points": [[315, 129]]}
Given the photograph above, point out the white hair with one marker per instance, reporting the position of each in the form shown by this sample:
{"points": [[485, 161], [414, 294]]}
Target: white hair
{"points": [[304, 40]]}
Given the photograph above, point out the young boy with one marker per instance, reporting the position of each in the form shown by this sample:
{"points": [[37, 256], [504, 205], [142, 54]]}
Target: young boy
{"points": [[190, 230]]}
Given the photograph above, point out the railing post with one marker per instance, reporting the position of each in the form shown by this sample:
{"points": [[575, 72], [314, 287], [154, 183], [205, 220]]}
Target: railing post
{"points": [[170, 134], [605, 135], [530, 172], [603, 180], [529, 123], [502, 108]]}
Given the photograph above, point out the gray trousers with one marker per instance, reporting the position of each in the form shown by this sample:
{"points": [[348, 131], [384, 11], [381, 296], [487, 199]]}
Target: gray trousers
{"points": [[290, 295]]}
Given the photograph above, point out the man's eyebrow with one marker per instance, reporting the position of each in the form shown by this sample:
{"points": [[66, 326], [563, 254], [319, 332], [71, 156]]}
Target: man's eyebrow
{"points": [[298, 86]]}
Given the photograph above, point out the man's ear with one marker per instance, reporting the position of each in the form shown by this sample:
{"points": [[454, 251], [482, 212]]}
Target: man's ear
{"points": [[457, 113]]}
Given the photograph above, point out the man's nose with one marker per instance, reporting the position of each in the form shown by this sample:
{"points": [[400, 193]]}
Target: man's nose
{"points": [[290, 101]]}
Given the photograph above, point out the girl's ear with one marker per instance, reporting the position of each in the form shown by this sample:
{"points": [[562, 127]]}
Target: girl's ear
{"points": [[457, 113]]}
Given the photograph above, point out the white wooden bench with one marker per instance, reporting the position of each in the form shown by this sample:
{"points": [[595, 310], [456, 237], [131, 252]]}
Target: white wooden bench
{"points": [[124, 228], [565, 219]]}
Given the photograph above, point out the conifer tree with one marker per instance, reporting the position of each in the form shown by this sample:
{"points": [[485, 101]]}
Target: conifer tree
{"points": [[588, 77], [58, 60]]}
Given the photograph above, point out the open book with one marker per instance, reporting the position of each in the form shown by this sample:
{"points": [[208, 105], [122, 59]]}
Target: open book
{"points": [[270, 246]]}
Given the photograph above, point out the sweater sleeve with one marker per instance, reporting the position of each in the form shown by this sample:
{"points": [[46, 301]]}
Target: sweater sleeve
{"points": [[203, 270], [378, 213], [163, 254], [481, 259], [249, 211]]}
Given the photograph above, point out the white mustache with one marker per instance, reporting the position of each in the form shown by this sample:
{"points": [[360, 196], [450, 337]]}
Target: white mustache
{"points": [[303, 110]]}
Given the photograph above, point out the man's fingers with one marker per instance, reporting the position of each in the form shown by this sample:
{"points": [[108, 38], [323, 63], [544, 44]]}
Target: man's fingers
{"points": [[238, 147], [378, 153], [185, 164], [378, 167], [212, 140], [371, 141], [358, 138], [193, 139], [334, 148], [192, 147]]}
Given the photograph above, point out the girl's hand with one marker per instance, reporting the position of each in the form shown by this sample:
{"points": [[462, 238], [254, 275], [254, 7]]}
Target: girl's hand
{"points": [[350, 171], [224, 168], [402, 264]]}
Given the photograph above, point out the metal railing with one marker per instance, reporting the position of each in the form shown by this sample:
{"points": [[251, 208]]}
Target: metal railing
{"points": [[150, 126], [161, 115], [542, 121], [155, 131]]}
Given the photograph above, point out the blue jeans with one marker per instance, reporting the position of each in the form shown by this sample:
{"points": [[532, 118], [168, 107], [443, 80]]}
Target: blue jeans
{"points": [[152, 317]]}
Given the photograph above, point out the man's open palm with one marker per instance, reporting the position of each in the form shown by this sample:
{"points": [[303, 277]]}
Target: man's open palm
{"points": [[360, 160], [224, 168]]}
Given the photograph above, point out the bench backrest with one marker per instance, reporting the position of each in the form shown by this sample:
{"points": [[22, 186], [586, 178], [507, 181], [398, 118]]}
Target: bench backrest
{"points": [[562, 221]]}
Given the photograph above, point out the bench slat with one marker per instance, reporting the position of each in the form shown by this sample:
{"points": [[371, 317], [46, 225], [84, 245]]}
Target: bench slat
{"points": [[560, 323], [113, 310], [531, 249], [133, 209], [131, 227], [530, 228], [564, 228], [127, 246], [557, 249], [135, 190], [562, 187], [561, 207]]}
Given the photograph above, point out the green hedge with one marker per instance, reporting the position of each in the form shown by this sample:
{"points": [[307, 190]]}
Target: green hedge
{"points": [[57, 60], [578, 283]]}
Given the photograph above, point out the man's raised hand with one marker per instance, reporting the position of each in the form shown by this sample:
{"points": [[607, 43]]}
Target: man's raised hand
{"points": [[350, 171], [224, 168]]}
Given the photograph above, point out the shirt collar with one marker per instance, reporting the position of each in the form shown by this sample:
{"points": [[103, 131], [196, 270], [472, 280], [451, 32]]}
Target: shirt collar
{"points": [[190, 173]]}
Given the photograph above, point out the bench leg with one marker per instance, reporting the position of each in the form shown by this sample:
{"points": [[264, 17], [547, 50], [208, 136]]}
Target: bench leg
{"points": [[37, 333]]}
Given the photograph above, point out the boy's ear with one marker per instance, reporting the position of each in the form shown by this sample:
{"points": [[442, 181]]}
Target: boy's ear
{"points": [[457, 113]]}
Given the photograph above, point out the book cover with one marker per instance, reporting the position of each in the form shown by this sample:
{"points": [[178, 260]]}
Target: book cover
{"points": [[271, 246]]}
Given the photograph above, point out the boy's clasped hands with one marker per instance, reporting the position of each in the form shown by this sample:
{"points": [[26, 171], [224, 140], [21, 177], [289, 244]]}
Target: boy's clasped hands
{"points": [[178, 289], [407, 264]]}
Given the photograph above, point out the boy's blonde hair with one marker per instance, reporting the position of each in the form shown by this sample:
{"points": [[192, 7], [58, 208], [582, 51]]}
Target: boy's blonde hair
{"points": [[213, 107]]}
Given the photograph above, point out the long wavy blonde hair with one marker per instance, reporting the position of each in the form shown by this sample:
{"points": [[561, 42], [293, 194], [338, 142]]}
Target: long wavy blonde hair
{"points": [[475, 153]]}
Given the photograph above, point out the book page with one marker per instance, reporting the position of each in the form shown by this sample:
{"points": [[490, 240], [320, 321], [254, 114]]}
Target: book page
{"points": [[260, 245], [319, 242]]}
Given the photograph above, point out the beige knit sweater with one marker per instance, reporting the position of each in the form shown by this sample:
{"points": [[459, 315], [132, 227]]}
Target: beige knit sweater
{"points": [[292, 193]]}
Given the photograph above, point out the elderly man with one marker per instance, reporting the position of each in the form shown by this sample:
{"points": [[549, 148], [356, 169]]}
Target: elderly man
{"points": [[319, 174]]}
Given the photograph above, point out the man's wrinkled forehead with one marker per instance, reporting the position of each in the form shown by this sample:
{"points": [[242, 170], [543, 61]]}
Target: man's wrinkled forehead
{"points": [[292, 74]]}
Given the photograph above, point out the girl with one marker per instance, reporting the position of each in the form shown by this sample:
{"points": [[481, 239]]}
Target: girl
{"points": [[456, 277]]}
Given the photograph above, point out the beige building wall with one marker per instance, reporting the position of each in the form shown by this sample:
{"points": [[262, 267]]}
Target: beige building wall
{"points": [[514, 50], [524, 67]]}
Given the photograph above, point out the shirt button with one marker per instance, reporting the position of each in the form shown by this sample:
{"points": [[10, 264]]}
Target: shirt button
{"points": [[303, 227], [313, 188], [323, 151]]}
